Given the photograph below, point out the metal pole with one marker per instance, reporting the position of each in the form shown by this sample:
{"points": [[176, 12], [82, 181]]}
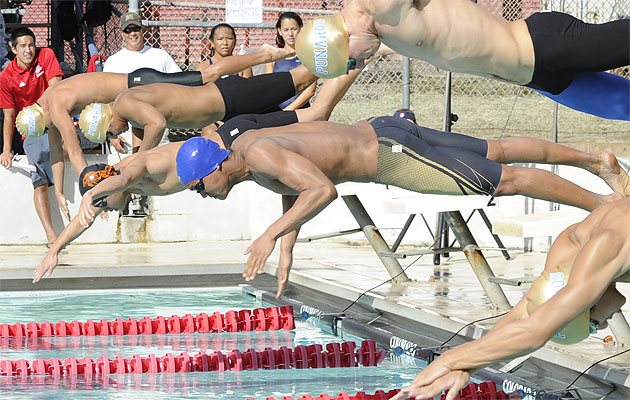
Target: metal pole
{"points": [[476, 260], [403, 232], [446, 127], [373, 236], [620, 329], [554, 167], [441, 228], [202, 24], [134, 6], [406, 89]]}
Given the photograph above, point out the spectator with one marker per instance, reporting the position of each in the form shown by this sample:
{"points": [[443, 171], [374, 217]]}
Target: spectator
{"points": [[134, 55], [22, 82], [4, 61], [222, 44], [288, 27]]}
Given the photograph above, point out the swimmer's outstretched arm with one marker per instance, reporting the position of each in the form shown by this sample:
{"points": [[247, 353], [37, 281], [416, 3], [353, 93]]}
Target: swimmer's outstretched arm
{"points": [[129, 176], [57, 164], [72, 231], [269, 161], [236, 64], [145, 115], [597, 262], [62, 120], [287, 243]]}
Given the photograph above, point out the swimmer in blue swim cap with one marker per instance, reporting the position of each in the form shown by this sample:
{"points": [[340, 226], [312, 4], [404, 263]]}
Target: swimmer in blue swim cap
{"points": [[197, 158], [574, 296], [154, 172]]}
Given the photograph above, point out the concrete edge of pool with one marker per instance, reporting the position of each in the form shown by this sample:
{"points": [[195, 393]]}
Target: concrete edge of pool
{"points": [[101, 267]]}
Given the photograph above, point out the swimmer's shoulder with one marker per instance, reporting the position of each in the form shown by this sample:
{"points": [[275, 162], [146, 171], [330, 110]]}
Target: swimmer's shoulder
{"points": [[611, 220]]}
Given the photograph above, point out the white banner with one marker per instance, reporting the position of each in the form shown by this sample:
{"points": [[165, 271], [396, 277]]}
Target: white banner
{"points": [[243, 11]]}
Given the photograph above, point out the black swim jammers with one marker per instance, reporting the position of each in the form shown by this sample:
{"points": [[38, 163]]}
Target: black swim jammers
{"points": [[259, 94], [238, 125], [428, 161], [565, 46], [147, 76]]}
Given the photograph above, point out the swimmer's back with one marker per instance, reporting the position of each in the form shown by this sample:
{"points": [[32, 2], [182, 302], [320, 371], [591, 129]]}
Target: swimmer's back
{"points": [[459, 36], [611, 218]]}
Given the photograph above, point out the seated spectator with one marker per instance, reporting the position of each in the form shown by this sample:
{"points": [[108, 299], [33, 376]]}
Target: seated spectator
{"points": [[222, 44], [22, 82], [288, 27]]}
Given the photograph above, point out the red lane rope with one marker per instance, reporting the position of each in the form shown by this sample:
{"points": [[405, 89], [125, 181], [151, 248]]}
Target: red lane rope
{"points": [[474, 391], [336, 355], [260, 319]]}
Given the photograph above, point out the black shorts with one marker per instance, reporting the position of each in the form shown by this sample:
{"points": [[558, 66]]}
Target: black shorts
{"points": [[256, 95], [428, 161], [238, 125], [565, 46]]}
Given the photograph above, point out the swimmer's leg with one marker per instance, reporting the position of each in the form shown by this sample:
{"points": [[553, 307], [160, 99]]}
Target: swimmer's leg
{"points": [[601, 94], [527, 149], [302, 78], [330, 94], [544, 185]]}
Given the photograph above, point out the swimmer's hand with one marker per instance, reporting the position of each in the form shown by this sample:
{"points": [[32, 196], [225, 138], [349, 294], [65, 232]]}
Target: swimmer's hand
{"points": [[47, 265], [284, 267], [63, 204], [86, 212], [433, 380], [6, 158], [258, 252], [119, 143], [276, 53]]}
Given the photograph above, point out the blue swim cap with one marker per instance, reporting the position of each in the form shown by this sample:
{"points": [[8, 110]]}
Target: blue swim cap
{"points": [[197, 158]]}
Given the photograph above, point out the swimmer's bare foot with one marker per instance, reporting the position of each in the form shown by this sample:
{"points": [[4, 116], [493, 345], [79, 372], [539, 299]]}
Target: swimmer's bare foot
{"points": [[276, 53], [615, 176]]}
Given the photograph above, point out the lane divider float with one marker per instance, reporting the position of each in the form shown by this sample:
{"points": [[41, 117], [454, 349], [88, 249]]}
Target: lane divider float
{"points": [[474, 391], [336, 355], [260, 319]]}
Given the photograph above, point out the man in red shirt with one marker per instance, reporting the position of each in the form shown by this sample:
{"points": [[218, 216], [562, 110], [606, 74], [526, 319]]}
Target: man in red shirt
{"points": [[22, 82]]}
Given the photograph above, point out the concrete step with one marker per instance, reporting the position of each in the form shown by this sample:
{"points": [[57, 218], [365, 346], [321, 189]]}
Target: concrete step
{"points": [[539, 224]]}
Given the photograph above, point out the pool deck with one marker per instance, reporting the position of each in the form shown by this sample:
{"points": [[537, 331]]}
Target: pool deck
{"points": [[445, 296]]}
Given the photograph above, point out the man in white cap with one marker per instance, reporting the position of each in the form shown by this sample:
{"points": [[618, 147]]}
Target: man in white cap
{"points": [[134, 55]]}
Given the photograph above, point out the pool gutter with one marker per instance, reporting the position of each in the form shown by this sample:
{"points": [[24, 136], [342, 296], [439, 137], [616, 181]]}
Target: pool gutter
{"points": [[546, 363]]}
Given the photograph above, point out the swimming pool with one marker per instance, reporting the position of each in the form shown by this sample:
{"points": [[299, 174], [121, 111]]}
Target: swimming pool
{"points": [[111, 304]]}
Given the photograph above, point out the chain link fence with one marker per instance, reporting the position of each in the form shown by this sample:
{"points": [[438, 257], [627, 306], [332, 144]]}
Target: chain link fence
{"points": [[485, 108]]}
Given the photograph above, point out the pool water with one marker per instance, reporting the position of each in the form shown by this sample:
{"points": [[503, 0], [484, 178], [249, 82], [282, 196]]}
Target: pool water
{"points": [[97, 305]]}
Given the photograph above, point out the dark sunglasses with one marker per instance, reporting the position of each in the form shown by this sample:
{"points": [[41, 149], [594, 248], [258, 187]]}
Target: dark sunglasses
{"points": [[130, 29], [199, 187]]}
